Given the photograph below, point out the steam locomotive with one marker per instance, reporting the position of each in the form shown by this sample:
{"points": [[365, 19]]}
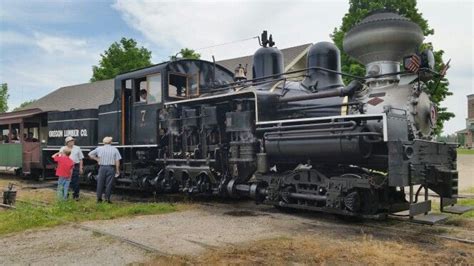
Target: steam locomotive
{"points": [[300, 139]]}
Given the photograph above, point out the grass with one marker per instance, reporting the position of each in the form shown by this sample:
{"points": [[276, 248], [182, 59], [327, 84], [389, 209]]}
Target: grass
{"points": [[38, 208], [465, 220], [468, 202], [466, 151], [469, 190], [29, 214]]}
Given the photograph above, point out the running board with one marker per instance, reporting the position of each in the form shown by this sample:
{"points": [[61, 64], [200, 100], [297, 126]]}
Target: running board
{"points": [[430, 219], [419, 213], [458, 209], [448, 205]]}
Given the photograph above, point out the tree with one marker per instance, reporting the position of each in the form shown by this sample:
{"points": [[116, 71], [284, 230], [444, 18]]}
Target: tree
{"points": [[119, 58], [23, 105], [4, 98], [358, 9], [186, 53]]}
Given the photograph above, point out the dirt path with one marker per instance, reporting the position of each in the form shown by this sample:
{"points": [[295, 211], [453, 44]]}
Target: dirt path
{"points": [[466, 171], [233, 232]]}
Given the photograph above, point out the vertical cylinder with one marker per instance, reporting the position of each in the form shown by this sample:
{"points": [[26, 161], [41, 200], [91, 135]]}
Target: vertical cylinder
{"points": [[262, 163]]}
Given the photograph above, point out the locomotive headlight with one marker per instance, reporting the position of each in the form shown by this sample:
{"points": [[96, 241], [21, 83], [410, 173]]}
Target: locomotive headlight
{"points": [[427, 59]]}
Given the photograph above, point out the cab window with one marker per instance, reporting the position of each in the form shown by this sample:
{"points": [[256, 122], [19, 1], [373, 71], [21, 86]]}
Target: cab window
{"points": [[183, 86], [154, 88], [140, 89]]}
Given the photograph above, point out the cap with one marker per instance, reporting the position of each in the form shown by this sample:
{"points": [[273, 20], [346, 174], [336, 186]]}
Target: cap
{"points": [[69, 139], [107, 140]]}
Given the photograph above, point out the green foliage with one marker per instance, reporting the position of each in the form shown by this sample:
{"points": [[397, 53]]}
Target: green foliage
{"points": [[29, 215], [24, 104], [4, 98], [359, 9], [187, 54], [447, 138], [119, 58], [466, 151]]}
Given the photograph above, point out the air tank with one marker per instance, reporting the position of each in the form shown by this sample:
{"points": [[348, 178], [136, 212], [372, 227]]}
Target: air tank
{"points": [[267, 61], [323, 55]]}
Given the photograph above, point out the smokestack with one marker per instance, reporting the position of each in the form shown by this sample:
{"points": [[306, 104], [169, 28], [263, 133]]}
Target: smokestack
{"points": [[381, 40]]}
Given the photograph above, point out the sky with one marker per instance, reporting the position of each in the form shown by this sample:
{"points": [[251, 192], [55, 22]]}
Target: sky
{"points": [[46, 44]]}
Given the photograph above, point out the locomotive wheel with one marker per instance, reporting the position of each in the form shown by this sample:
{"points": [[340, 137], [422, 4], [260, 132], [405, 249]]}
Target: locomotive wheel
{"points": [[286, 190]]}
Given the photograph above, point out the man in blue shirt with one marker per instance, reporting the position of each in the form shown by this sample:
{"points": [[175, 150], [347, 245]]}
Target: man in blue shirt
{"points": [[108, 158]]}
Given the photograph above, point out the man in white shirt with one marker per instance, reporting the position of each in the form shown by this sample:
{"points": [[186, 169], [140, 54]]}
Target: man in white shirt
{"points": [[108, 158], [77, 157]]}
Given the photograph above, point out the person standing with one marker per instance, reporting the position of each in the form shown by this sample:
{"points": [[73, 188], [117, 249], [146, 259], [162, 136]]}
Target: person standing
{"points": [[77, 157], [63, 171], [108, 158]]}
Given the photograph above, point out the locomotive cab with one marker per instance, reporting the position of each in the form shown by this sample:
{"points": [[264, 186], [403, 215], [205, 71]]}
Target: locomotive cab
{"points": [[133, 117]]}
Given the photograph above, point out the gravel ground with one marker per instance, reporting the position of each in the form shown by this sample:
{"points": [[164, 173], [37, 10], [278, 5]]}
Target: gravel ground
{"points": [[67, 245], [192, 232]]}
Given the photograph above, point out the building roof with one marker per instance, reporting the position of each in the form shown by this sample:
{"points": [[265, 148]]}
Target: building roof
{"points": [[289, 54], [16, 116], [466, 130], [91, 95], [82, 96]]}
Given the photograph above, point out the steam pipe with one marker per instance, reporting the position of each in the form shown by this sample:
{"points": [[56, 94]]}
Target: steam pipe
{"points": [[298, 131], [311, 107], [320, 125], [309, 136], [336, 92]]}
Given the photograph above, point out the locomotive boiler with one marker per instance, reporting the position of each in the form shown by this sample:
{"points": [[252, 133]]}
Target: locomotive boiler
{"points": [[300, 139]]}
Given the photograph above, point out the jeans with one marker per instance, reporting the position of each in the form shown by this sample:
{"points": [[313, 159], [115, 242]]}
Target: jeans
{"points": [[75, 182], [63, 187], [105, 178]]}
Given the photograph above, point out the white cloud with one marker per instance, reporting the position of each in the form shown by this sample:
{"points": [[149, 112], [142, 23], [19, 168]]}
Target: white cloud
{"points": [[174, 25], [59, 44], [50, 62]]}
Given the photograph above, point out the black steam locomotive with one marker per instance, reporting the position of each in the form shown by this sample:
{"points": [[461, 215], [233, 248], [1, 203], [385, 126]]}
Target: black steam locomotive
{"points": [[299, 139]]}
